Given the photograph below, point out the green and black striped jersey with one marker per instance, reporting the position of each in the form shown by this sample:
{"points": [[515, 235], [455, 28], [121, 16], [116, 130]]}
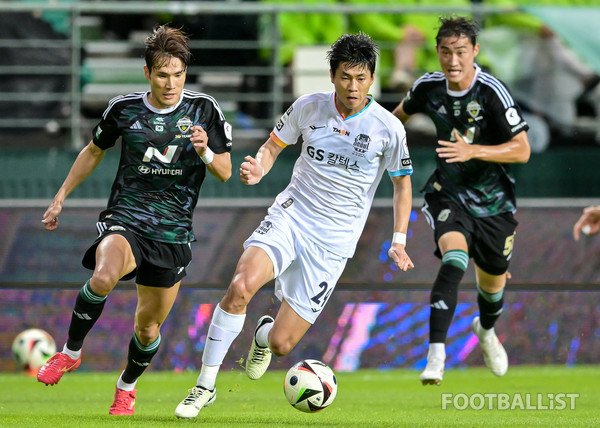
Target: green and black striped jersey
{"points": [[160, 174], [484, 114]]}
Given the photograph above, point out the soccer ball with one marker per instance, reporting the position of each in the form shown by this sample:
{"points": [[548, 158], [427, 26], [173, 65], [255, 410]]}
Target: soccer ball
{"points": [[32, 348], [310, 386]]}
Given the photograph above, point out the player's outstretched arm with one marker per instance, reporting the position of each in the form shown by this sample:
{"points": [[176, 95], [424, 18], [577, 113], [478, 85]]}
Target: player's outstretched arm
{"points": [[402, 209], [252, 170], [87, 160], [588, 223]]}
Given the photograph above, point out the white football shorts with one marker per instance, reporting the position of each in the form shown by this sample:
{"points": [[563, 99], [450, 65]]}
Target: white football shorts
{"points": [[305, 273]]}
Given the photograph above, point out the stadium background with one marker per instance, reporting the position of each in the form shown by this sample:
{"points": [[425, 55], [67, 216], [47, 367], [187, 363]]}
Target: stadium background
{"points": [[63, 61]]}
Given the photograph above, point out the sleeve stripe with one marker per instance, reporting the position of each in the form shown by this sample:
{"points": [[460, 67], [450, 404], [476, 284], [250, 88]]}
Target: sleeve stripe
{"points": [[400, 172], [193, 94], [499, 88], [113, 101], [436, 76]]}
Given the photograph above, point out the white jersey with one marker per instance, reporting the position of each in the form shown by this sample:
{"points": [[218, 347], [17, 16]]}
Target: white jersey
{"points": [[342, 161]]}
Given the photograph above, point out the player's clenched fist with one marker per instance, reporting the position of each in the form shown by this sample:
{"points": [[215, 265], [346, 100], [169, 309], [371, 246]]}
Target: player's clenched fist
{"points": [[251, 171], [50, 218], [399, 256], [199, 139]]}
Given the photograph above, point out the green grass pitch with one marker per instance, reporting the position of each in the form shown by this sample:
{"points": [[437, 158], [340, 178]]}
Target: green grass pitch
{"points": [[367, 398]]}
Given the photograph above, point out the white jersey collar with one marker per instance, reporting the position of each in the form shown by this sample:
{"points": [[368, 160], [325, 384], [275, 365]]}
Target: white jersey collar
{"points": [[334, 103], [461, 93], [158, 110]]}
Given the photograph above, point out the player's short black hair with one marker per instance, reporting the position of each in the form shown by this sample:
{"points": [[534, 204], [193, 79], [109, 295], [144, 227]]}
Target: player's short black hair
{"points": [[453, 26], [355, 50], [165, 43]]}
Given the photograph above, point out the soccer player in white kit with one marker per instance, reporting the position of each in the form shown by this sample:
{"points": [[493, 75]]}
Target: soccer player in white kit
{"points": [[312, 228]]}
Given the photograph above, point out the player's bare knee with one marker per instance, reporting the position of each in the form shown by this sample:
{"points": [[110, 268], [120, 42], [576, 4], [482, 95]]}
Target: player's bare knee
{"points": [[102, 282], [281, 348], [147, 334], [237, 297], [493, 286]]}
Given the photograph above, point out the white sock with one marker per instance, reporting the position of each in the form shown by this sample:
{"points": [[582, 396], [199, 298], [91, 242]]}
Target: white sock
{"points": [[437, 350], [71, 354], [125, 386], [223, 330], [262, 335], [208, 376]]}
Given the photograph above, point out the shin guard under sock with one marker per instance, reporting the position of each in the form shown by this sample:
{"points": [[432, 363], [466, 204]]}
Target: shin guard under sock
{"points": [[138, 358], [444, 294], [490, 307], [87, 310]]}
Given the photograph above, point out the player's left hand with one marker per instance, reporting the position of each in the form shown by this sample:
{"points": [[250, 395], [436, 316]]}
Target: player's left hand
{"points": [[398, 254], [199, 140], [455, 151]]}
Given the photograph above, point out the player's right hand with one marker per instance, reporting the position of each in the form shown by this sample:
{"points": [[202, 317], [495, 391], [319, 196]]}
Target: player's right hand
{"points": [[588, 223], [251, 172], [50, 218]]}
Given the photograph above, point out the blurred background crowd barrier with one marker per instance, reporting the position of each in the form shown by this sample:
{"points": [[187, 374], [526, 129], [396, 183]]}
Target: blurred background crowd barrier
{"points": [[62, 61]]}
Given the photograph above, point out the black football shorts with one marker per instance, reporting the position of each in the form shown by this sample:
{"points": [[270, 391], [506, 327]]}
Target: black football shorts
{"points": [[490, 239], [158, 264]]}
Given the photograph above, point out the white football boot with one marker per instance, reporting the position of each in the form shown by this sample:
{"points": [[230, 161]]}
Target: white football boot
{"points": [[494, 354], [434, 370], [259, 358], [198, 398]]}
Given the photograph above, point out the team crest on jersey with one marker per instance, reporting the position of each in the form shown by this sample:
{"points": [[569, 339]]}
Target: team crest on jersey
{"points": [[443, 215], [361, 145], [184, 124], [264, 227], [474, 108]]}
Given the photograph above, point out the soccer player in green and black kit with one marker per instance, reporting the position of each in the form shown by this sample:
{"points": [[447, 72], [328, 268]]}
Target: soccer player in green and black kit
{"points": [[170, 137], [470, 197]]}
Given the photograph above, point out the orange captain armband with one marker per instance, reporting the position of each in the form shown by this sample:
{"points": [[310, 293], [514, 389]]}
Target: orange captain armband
{"points": [[277, 141]]}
